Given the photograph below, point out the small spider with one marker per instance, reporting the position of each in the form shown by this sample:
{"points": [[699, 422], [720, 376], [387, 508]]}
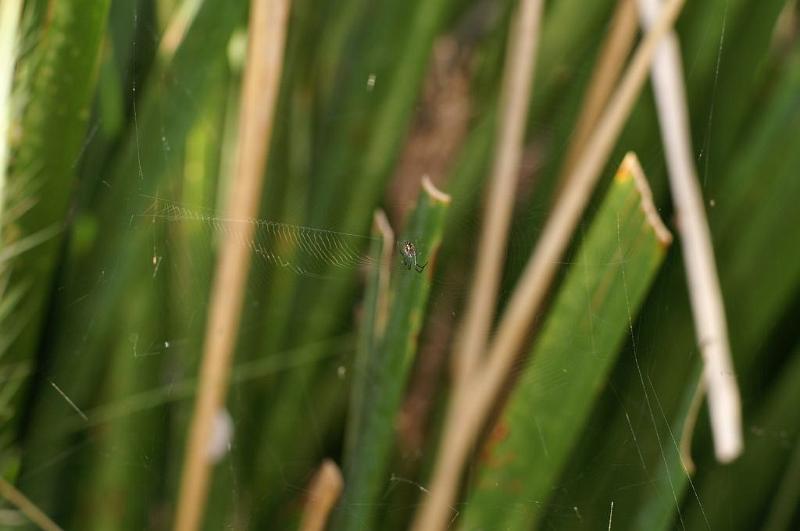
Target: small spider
{"points": [[408, 252]]}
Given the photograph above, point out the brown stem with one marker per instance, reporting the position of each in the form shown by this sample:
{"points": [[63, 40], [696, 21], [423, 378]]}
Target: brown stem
{"points": [[705, 295], [325, 489], [515, 99], [616, 47], [268, 21], [26, 506]]}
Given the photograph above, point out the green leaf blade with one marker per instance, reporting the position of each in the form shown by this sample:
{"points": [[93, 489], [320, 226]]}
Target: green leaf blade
{"points": [[58, 84], [577, 347], [388, 369]]}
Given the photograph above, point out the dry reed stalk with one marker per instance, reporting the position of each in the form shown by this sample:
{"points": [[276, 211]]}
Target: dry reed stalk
{"points": [[26, 507], [514, 103], [616, 47], [267, 32], [705, 295], [178, 24], [325, 489]]}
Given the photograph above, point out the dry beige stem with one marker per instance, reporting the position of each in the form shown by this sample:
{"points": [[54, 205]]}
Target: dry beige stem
{"points": [[26, 506], [705, 295], [268, 21], [515, 99], [616, 47], [179, 22], [473, 399], [325, 489]]}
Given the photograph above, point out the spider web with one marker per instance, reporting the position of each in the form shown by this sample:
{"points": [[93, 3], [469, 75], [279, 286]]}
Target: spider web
{"points": [[303, 250]]}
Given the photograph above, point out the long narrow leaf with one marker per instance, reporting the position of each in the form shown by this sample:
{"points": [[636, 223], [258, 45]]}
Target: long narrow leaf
{"points": [[371, 331], [98, 282], [58, 88], [579, 343], [388, 368]]}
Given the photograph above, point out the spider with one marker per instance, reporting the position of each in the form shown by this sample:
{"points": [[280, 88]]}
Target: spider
{"points": [[408, 252]]}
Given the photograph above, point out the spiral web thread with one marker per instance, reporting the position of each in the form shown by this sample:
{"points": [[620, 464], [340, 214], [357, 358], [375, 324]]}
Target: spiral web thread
{"points": [[306, 251]]}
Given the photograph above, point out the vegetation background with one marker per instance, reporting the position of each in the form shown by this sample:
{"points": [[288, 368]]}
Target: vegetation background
{"points": [[120, 129]]}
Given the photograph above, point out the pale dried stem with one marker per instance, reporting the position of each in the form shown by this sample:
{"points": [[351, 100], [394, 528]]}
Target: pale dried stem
{"points": [[514, 103], [267, 31], [473, 399], [325, 489], [26, 506], [705, 295], [616, 47], [176, 28]]}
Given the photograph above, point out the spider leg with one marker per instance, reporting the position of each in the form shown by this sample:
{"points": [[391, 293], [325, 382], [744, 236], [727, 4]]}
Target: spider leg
{"points": [[420, 268]]}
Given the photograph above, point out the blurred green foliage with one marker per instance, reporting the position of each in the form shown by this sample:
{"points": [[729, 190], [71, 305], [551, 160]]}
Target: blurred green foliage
{"points": [[112, 120]]}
